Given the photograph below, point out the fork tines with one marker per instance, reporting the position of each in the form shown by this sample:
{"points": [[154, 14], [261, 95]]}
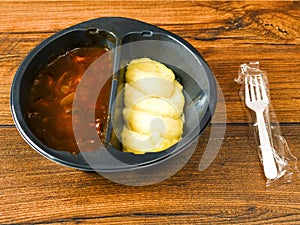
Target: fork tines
{"points": [[257, 90]]}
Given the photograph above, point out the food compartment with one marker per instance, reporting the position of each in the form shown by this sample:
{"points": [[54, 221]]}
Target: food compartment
{"points": [[50, 86], [165, 49]]}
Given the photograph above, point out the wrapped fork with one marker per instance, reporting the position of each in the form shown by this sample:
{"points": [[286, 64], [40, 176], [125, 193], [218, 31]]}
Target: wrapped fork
{"points": [[256, 99], [280, 165]]}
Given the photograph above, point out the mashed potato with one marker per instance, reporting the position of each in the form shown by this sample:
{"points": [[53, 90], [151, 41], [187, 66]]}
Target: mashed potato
{"points": [[153, 110]]}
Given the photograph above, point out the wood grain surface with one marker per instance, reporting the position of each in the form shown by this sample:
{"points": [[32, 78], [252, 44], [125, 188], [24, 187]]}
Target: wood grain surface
{"points": [[34, 190]]}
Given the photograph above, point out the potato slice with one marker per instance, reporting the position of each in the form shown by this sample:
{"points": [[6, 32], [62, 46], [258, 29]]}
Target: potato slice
{"points": [[147, 123], [172, 106], [141, 143], [150, 77]]}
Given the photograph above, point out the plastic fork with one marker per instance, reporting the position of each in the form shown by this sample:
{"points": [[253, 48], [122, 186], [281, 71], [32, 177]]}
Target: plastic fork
{"points": [[257, 100]]}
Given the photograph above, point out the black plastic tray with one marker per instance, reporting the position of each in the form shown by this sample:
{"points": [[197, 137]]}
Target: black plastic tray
{"points": [[128, 39]]}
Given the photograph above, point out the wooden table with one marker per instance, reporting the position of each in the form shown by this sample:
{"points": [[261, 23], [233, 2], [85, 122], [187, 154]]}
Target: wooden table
{"points": [[34, 190]]}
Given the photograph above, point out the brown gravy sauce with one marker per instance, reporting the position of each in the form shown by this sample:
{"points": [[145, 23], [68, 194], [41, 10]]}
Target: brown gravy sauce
{"points": [[49, 110]]}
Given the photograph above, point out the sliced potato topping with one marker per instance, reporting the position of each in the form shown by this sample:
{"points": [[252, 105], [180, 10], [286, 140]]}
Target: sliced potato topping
{"points": [[153, 110]]}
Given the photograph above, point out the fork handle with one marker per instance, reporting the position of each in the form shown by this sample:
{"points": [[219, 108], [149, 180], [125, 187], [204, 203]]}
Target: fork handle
{"points": [[270, 168]]}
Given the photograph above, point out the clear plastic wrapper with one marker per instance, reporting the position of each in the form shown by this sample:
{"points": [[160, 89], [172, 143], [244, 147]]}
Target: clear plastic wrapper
{"points": [[279, 164]]}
